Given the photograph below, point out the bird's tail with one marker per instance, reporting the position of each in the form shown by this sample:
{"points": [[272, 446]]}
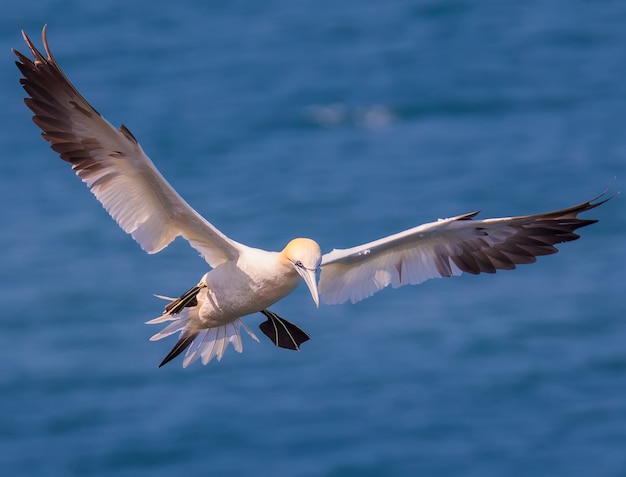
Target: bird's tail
{"points": [[205, 343]]}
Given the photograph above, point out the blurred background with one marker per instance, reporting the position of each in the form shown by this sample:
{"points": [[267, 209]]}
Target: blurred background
{"points": [[342, 121]]}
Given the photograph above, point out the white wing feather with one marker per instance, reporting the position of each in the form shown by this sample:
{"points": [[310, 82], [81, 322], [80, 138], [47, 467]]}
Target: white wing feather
{"points": [[113, 165], [406, 258], [445, 248]]}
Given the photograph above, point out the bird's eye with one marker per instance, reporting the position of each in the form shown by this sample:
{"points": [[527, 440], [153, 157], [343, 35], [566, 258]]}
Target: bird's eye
{"points": [[299, 264]]}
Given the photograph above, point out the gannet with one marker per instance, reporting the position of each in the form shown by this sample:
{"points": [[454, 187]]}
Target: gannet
{"points": [[246, 280]]}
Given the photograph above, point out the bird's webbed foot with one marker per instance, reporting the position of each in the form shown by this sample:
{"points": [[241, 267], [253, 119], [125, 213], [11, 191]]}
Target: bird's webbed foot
{"points": [[186, 299], [281, 332]]}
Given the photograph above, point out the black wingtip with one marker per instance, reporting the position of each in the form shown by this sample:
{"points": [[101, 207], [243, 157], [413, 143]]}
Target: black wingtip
{"points": [[281, 332]]}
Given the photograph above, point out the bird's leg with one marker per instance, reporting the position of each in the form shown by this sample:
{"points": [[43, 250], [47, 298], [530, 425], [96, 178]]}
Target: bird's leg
{"points": [[186, 299], [282, 333]]}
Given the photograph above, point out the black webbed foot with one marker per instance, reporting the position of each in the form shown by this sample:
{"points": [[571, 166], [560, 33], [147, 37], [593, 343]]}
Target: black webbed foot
{"points": [[186, 299], [281, 332]]}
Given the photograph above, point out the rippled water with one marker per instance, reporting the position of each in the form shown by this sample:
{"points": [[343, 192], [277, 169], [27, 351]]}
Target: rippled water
{"points": [[343, 121]]}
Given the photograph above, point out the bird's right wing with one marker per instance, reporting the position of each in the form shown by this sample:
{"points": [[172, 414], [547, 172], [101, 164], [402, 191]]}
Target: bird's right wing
{"points": [[113, 165], [445, 248]]}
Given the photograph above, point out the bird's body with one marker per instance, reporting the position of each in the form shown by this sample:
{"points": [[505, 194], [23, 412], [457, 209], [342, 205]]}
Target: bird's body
{"points": [[257, 280], [246, 280], [252, 283]]}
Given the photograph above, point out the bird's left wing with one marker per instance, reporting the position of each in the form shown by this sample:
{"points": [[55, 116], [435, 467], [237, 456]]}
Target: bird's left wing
{"points": [[445, 248], [113, 165]]}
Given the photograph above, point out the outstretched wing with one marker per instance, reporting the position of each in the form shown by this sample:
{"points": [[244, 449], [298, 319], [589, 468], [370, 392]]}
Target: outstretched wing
{"points": [[445, 248], [113, 165]]}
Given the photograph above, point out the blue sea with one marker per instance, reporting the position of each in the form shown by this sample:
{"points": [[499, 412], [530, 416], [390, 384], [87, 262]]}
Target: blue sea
{"points": [[343, 121]]}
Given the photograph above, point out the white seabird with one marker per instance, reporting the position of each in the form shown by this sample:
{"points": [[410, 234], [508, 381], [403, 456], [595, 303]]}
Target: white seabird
{"points": [[246, 280]]}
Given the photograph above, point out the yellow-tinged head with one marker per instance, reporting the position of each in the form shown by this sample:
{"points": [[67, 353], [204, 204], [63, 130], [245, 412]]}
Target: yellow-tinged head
{"points": [[305, 255]]}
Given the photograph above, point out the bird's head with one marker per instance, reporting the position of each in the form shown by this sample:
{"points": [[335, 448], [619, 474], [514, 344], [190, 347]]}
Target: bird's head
{"points": [[305, 256]]}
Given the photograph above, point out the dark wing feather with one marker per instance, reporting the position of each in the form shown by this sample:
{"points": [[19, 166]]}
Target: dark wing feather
{"points": [[445, 248], [112, 164]]}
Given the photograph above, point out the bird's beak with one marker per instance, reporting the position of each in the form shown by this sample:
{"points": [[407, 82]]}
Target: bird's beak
{"points": [[310, 278]]}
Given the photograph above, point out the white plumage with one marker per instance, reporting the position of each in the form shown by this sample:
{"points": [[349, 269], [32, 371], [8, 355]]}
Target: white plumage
{"points": [[246, 280]]}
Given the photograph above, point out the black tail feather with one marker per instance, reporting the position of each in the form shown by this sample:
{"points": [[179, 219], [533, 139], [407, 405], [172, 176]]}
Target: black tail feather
{"points": [[182, 344]]}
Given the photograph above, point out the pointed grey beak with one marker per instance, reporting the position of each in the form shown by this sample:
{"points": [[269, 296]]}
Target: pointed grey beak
{"points": [[310, 278]]}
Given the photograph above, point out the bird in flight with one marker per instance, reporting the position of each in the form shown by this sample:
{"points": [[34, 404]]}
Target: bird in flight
{"points": [[246, 280]]}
